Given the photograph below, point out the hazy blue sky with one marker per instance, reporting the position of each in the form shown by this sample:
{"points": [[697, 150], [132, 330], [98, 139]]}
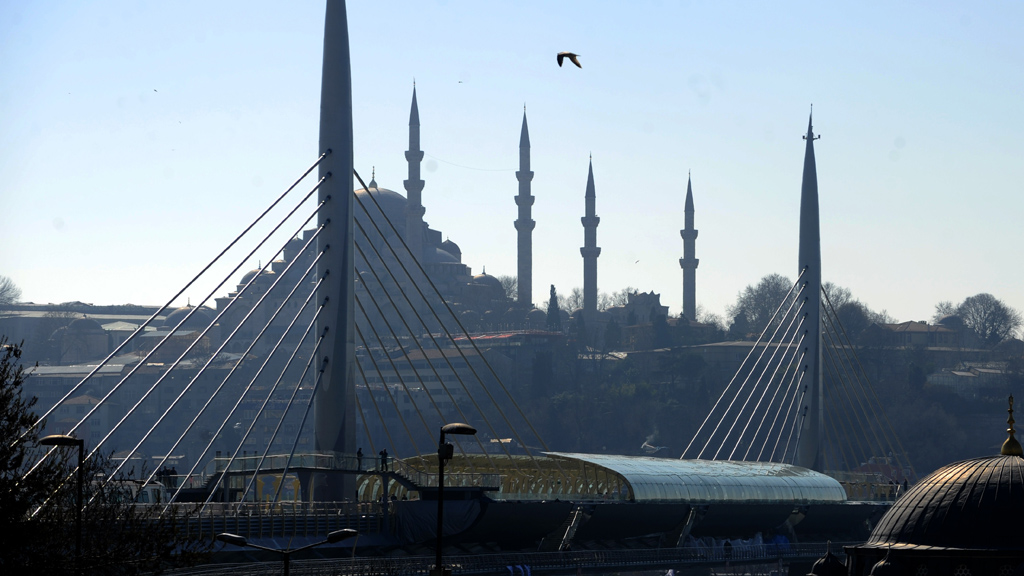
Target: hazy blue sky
{"points": [[136, 138]]}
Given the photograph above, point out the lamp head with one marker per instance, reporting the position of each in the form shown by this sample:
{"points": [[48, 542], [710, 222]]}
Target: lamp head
{"points": [[339, 535], [458, 428], [232, 539], [61, 440]]}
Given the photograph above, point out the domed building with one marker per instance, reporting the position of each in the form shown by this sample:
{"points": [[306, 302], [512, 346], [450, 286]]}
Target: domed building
{"points": [[80, 341], [961, 520]]}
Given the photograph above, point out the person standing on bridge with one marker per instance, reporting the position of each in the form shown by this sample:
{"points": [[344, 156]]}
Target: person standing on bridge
{"points": [[384, 460], [359, 459]]}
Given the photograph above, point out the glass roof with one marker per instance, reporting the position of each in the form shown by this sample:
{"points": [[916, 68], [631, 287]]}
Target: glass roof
{"points": [[715, 481]]}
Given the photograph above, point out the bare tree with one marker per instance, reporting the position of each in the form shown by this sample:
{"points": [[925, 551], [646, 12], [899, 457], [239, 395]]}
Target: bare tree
{"points": [[621, 298], [9, 292], [574, 301], [758, 303], [990, 319], [510, 285], [837, 294], [943, 309]]}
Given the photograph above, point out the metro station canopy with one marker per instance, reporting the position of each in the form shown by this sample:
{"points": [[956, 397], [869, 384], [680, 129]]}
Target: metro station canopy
{"points": [[712, 481]]}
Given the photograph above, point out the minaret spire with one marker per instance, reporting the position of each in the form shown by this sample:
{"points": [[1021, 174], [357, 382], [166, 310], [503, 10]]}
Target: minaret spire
{"points": [[414, 209], [689, 260], [808, 449], [590, 251], [525, 224]]}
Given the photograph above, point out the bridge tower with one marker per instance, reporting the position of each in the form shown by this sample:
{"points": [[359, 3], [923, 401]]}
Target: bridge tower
{"points": [[590, 250], [525, 224], [334, 412], [689, 260], [414, 185], [812, 414]]}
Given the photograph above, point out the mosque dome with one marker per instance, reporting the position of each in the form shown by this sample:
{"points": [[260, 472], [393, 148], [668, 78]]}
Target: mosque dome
{"points": [[537, 316], [965, 514], [84, 325], [486, 279], [452, 248], [443, 256], [973, 504], [199, 320], [391, 202], [249, 276]]}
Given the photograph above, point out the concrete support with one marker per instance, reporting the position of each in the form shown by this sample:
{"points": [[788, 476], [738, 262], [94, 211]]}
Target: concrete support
{"points": [[808, 453], [334, 411]]}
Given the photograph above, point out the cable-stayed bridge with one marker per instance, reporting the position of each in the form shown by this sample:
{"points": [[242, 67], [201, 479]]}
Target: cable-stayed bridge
{"points": [[312, 398]]}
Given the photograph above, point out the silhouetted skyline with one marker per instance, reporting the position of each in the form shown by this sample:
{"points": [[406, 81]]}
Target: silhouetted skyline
{"points": [[142, 138]]}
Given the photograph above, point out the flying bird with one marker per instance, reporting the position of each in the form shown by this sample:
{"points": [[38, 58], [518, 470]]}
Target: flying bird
{"points": [[649, 448], [570, 56]]}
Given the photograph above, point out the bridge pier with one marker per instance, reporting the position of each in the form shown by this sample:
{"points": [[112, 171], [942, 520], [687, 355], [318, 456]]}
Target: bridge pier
{"points": [[334, 413]]}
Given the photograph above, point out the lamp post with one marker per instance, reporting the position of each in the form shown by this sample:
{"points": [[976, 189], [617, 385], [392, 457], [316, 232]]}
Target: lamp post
{"points": [[336, 536], [65, 440], [445, 451]]}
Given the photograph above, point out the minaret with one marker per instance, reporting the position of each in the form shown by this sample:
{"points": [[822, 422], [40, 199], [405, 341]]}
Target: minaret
{"points": [[689, 260], [525, 224], [590, 251], [414, 186], [808, 447]]}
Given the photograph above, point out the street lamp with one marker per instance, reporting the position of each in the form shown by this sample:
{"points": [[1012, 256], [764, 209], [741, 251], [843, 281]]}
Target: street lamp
{"points": [[445, 451], [65, 440], [336, 536]]}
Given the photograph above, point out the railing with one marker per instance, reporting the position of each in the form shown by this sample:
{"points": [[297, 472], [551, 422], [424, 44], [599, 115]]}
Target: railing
{"points": [[267, 520], [537, 562], [458, 480]]}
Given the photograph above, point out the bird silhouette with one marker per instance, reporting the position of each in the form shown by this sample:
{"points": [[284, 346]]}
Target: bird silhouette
{"points": [[649, 448], [570, 56]]}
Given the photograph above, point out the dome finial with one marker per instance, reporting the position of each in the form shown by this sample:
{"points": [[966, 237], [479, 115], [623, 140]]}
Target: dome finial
{"points": [[1011, 447], [373, 179]]}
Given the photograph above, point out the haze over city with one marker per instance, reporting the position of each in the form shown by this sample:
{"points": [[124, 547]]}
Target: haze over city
{"points": [[140, 138]]}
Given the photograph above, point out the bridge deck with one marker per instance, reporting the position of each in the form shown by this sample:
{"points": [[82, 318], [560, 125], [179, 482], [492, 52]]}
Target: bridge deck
{"points": [[553, 563]]}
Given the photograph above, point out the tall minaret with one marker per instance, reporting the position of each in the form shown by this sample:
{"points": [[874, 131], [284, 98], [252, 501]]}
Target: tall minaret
{"points": [[689, 260], [414, 186], [811, 413], [590, 251], [525, 224]]}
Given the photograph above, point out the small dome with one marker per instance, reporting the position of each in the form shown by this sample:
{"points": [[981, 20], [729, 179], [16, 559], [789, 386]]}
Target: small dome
{"points": [[886, 567], [488, 280], [82, 325], [952, 321], [452, 248], [537, 315], [828, 565], [443, 256], [249, 276]]}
